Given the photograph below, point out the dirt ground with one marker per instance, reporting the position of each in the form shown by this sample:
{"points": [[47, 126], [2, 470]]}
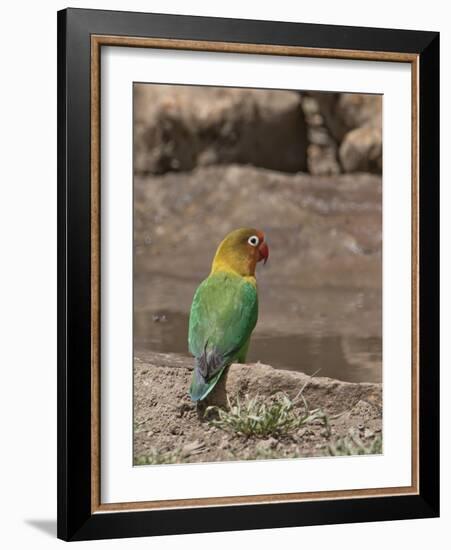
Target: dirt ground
{"points": [[170, 428]]}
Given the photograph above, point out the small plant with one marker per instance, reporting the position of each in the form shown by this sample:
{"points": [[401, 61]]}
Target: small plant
{"points": [[155, 456], [258, 417], [174, 456], [269, 454], [353, 445]]}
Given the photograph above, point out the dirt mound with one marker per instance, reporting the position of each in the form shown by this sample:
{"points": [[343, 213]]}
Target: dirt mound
{"points": [[168, 427]]}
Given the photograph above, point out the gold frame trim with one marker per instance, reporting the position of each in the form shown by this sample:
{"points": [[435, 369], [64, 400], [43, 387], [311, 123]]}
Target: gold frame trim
{"points": [[97, 41]]}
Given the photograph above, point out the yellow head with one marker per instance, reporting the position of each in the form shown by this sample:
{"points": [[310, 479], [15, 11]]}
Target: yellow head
{"points": [[240, 251]]}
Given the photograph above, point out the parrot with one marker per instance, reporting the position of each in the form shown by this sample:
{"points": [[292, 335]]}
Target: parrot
{"points": [[224, 309]]}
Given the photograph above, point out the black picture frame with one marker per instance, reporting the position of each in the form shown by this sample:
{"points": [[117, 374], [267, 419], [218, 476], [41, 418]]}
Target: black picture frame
{"points": [[76, 520]]}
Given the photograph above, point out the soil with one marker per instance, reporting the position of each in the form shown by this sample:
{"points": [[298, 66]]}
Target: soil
{"points": [[167, 422]]}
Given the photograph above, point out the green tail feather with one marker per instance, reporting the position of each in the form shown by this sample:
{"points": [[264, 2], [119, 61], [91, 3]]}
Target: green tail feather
{"points": [[199, 389]]}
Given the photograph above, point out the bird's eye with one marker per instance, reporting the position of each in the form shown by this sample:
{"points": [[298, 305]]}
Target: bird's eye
{"points": [[253, 241]]}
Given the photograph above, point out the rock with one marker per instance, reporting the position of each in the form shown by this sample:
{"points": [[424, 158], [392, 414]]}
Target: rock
{"points": [[355, 123], [322, 156], [361, 150], [357, 110], [331, 395], [322, 160], [326, 105], [180, 127], [344, 112]]}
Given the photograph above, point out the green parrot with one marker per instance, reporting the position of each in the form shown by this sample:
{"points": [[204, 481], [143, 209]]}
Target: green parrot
{"points": [[225, 309]]}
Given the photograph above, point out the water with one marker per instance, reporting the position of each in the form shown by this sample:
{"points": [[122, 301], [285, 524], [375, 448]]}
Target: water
{"points": [[349, 358]]}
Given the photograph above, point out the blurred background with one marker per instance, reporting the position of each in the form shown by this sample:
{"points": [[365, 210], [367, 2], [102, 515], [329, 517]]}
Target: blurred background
{"points": [[304, 167]]}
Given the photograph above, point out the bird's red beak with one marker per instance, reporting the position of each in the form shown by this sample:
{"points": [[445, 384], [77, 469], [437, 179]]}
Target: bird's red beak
{"points": [[263, 252]]}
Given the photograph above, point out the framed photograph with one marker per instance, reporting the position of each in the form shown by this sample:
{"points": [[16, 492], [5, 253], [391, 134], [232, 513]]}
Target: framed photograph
{"points": [[248, 274]]}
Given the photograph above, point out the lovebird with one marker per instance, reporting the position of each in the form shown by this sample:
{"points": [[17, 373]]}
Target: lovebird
{"points": [[225, 309]]}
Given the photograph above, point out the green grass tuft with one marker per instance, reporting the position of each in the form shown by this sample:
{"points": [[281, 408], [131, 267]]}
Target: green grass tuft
{"points": [[259, 417], [155, 456], [353, 445], [267, 454]]}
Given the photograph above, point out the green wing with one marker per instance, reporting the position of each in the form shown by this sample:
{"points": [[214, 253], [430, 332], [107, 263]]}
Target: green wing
{"points": [[223, 314]]}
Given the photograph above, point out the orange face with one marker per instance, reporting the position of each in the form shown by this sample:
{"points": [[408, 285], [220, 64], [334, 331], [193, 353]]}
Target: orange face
{"points": [[256, 240]]}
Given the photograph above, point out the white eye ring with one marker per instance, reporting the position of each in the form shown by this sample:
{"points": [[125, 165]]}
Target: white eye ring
{"points": [[253, 241]]}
